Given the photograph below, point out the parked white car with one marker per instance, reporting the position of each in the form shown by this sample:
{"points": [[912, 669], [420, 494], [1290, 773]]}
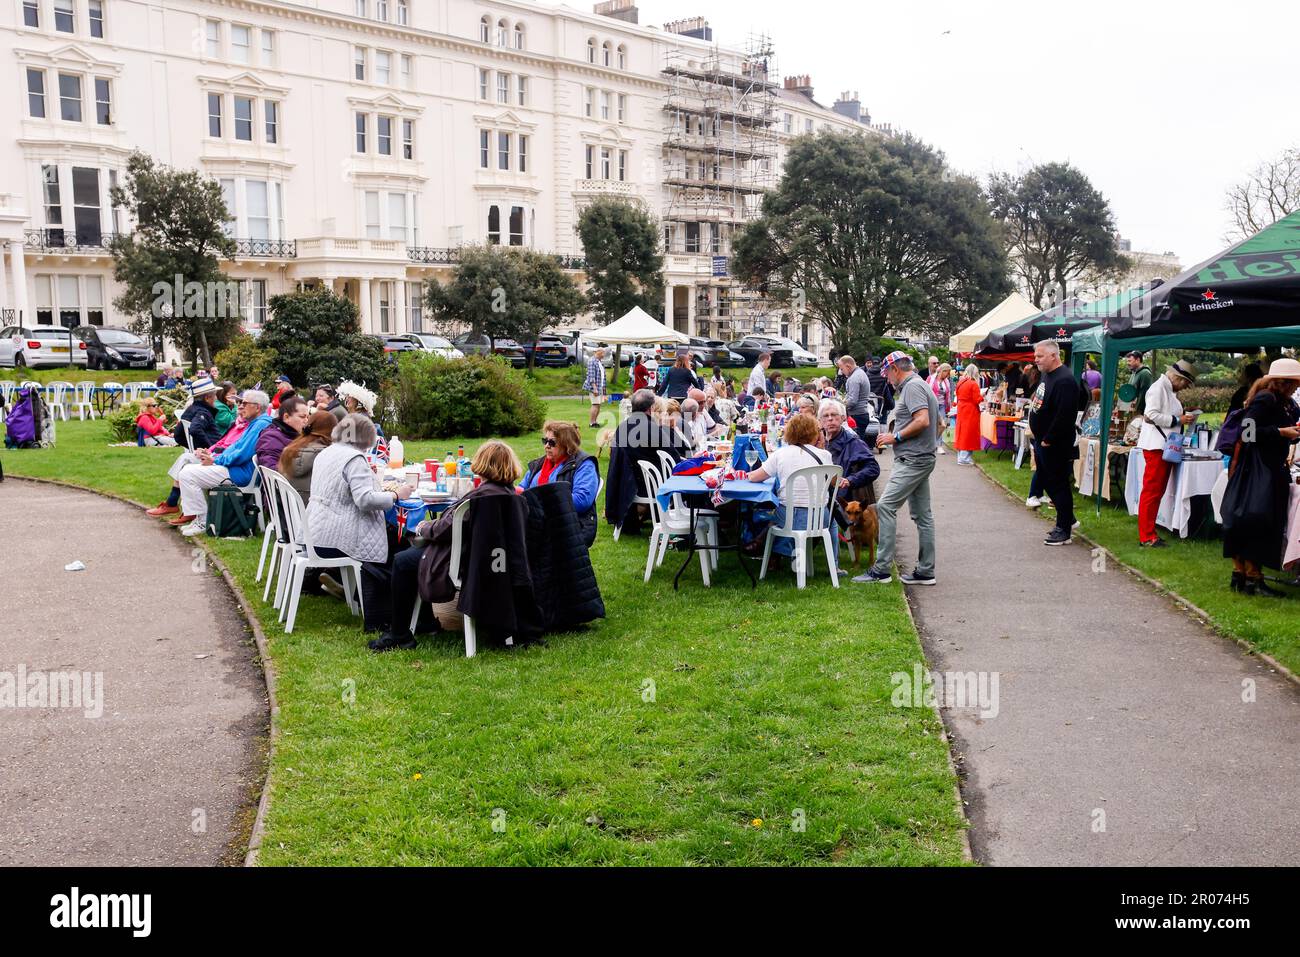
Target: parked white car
{"points": [[37, 347], [435, 344]]}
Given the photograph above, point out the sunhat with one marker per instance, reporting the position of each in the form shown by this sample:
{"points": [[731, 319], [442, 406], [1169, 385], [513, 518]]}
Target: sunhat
{"points": [[367, 399], [1284, 369], [1185, 369], [203, 385]]}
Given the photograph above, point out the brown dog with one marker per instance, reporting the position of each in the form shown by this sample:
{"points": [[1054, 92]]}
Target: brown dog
{"points": [[863, 530]]}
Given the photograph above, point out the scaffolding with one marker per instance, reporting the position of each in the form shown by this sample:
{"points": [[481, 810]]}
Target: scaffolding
{"points": [[720, 152]]}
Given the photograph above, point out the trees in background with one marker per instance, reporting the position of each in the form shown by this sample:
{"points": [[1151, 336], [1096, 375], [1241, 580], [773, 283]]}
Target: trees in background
{"points": [[169, 266], [1271, 191], [1057, 229], [316, 337], [867, 234], [620, 241]]}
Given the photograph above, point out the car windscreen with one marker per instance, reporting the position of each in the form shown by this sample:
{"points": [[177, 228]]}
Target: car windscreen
{"points": [[435, 342], [119, 337]]}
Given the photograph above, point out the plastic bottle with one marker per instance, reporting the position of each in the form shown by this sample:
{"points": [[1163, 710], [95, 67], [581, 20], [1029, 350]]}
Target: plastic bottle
{"points": [[396, 453], [462, 463]]}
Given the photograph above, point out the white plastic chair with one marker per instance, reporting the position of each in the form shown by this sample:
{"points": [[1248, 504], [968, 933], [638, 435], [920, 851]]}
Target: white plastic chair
{"points": [[254, 488], [273, 527], [636, 500], [185, 430], [83, 400], [304, 556], [138, 388], [54, 397], [7, 389], [676, 520], [817, 480], [453, 572]]}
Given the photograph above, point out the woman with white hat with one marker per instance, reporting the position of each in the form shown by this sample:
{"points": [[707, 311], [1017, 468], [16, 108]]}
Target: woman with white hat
{"points": [[1163, 413], [358, 400], [1255, 502]]}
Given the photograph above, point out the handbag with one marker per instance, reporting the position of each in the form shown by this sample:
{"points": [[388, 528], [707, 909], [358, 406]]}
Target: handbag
{"points": [[230, 514], [1173, 446]]}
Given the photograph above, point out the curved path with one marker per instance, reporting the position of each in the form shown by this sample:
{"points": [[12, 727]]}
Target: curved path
{"points": [[1116, 709], [169, 772]]}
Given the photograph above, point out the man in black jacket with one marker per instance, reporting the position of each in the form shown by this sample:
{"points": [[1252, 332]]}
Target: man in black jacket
{"points": [[1053, 412], [638, 439]]}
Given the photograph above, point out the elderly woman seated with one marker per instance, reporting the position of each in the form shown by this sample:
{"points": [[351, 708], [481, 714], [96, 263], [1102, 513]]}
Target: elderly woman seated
{"points": [[346, 513], [801, 450], [849, 452], [151, 424], [565, 461]]}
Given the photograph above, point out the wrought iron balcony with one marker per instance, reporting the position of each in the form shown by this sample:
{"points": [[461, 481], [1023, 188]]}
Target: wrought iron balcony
{"points": [[67, 240], [571, 262], [265, 249], [433, 256]]}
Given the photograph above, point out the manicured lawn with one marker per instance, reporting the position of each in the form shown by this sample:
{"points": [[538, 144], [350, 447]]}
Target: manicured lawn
{"points": [[1196, 570], [78, 374], [661, 735]]}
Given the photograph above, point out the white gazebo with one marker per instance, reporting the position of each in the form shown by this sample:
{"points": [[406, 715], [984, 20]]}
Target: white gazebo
{"points": [[1011, 309], [637, 328]]}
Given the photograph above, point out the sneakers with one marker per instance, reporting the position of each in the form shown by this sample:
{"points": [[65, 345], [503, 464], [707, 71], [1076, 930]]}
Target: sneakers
{"points": [[180, 520], [162, 508], [194, 528], [332, 587], [1033, 502], [1058, 536], [1156, 543], [386, 642], [915, 578], [871, 576]]}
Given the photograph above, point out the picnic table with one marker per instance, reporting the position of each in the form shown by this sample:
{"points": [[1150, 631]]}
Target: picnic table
{"points": [[697, 496]]}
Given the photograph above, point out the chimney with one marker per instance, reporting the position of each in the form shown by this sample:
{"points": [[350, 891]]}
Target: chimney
{"points": [[696, 27], [800, 84], [624, 10], [849, 105]]}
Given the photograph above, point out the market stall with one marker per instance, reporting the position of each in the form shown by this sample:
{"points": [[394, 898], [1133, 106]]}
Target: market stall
{"points": [[1009, 311]]}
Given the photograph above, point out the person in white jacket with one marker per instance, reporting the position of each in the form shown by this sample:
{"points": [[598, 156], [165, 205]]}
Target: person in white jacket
{"points": [[1163, 413]]}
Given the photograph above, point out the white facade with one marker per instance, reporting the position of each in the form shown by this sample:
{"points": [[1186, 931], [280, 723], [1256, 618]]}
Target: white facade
{"points": [[358, 142]]}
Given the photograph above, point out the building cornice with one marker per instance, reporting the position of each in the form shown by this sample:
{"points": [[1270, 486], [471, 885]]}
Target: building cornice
{"points": [[68, 55]]}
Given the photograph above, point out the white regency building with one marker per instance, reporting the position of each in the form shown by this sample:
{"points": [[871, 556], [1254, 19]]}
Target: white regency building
{"points": [[360, 142]]}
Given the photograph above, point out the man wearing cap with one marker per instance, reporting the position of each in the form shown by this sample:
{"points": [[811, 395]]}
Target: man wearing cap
{"points": [[1140, 378], [914, 439], [1163, 414]]}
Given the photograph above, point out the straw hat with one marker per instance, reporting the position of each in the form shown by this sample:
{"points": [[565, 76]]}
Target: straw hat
{"points": [[204, 386], [1284, 369], [1185, 369]]}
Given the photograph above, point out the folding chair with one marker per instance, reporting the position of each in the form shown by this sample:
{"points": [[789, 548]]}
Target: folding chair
{"points": [[676, 520], [817, 480]]}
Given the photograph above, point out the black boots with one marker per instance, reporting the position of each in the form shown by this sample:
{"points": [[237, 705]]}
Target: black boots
{"points": [[1238, 581]]}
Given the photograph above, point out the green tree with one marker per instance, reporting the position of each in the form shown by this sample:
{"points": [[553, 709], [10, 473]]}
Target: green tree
{"points": [[620, 241], [549, 296], [867, 234], [169, 266], [316, 337], [1057, 228], [485, 293], [245, 363]]}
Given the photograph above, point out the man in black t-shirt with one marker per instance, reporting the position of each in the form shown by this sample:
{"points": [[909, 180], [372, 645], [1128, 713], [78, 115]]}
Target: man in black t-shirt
{"points": [[1053, 412]]}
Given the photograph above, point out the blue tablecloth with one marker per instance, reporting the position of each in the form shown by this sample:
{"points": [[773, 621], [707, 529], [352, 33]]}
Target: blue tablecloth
{"points": [[755, 492], [744, 441]]}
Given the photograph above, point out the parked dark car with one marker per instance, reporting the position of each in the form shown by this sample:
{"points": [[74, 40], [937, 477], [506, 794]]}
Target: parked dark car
{"points": [[551, 351], [750, 347], [111, 347], [508, 349], [713, 351]]}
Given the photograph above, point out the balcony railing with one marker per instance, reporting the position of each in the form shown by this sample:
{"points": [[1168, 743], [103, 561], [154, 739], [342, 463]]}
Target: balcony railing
{"points": [[433, 256], [67, 240], [265, 249]]}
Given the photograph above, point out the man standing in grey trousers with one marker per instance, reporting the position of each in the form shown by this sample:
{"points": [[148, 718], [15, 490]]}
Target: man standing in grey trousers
{"points": [[915, 439]]}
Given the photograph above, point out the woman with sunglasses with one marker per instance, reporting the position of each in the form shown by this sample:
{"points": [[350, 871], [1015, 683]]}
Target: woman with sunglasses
{"points": [[565, 461], [152, 423]]}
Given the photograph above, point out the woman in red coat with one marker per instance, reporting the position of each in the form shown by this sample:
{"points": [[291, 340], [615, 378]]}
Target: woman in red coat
{"points": [[969, 396]]}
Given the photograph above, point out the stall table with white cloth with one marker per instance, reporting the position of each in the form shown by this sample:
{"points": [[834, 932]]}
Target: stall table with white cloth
{"points": [[1195, 476]]}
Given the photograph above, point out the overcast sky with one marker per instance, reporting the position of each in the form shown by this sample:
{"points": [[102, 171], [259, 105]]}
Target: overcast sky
{"points": [[1162, 104]]}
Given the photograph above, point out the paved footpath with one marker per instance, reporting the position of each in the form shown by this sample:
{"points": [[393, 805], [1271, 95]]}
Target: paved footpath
{"points": [[1115, 708], [169, 773]]}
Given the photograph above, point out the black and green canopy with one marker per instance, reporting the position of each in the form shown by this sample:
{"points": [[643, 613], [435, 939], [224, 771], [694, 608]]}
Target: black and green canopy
{"points": [[1058, 324]]}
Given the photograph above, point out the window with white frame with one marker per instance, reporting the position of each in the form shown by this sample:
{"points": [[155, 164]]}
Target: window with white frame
{"points": [[408, 139], [622, 165], [591, 50], [523, 153], [214, 115], [589, 104], [241, 43], [70, 97], [521, 88], [485, 30], [52, 197], [484, 148], [604, 162], [103, 102], [362, 8], [95, 11], [622, 57], [76, 300], [372, 214], [36, 93], [807, 126], [255, 207], [271, 109], [258, 209], [519, 36], [383, 67], [361, 123], [385, 296], [605, 98], [65, 16], [403, 13], [243, 115], [415, 306], [212, 35], [32, 13], [483, 81], [268, 47], [390, 215], [494, 226], [381, 10], [359, 63], [503, 87], [503, 34], [397, 216], [252, 301], [406, 70], [384, 135], [231, 226], [787, 123], [606, 54], [622, 107], [516, 225], [503, 150], [591, 162]]}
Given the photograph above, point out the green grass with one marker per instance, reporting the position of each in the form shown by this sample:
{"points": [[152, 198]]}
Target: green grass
{"points": [[1196, 570], [768, 704], [78, 374]]}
